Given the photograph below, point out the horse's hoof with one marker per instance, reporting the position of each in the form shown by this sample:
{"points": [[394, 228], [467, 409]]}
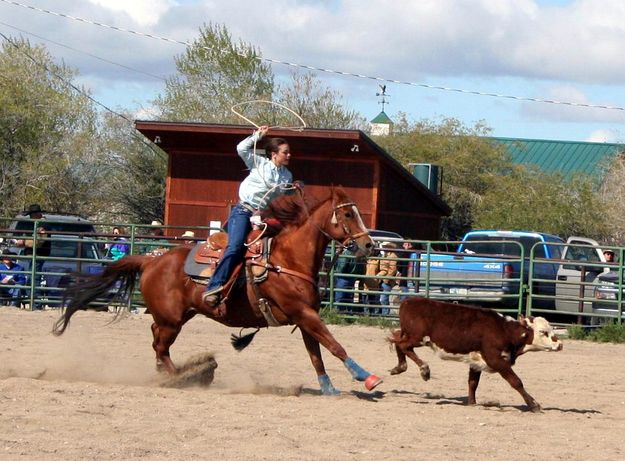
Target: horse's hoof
{"points": [[372, 382]]}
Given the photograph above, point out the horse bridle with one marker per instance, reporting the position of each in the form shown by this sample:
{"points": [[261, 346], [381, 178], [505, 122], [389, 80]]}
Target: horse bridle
{"points": [[350, 240]]}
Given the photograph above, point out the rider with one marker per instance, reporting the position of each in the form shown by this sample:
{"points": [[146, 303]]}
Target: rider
{"points": [[268, 178]]}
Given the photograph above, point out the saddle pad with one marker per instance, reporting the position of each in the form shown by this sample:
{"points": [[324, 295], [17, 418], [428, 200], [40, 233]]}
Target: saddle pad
{"points": [[195, 269]]}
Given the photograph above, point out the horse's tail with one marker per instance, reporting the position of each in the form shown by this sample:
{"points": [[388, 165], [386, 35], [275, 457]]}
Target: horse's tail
{"points": [[79, 295]]}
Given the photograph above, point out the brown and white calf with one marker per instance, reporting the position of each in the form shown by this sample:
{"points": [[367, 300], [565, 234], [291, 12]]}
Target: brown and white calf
{"points": [[483, 338]]}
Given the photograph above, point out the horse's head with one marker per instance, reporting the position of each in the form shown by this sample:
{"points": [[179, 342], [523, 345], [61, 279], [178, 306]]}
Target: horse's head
{"points": [[346, 227]]}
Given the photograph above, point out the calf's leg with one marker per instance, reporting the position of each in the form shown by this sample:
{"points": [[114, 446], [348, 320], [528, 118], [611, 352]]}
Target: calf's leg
{"points": [[402, 351], [474, 380], [517, 384]]}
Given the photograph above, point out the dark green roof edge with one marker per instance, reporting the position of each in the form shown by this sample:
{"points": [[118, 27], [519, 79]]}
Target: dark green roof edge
{"points": [[564, 157]]}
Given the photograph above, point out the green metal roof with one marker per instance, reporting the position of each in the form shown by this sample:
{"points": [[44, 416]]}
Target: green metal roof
{"points": [[382, 118], [564, 157]]}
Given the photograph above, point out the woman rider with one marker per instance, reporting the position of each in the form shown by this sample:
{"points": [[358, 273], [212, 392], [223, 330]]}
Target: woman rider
{"points": [[268, 178]]}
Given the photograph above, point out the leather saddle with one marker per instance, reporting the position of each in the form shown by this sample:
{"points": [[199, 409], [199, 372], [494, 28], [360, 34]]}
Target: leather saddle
{"points": [[204, 257]]}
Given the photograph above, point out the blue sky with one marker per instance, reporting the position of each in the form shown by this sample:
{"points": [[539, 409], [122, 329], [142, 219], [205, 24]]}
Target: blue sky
{"points": [[568, 51]]}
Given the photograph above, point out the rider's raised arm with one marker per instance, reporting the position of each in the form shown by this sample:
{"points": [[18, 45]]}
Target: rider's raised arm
{"points": [[245, 148]]}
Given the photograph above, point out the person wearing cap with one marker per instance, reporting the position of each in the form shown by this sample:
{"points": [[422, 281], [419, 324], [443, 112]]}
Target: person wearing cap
{"points": [[153, 241], [609, 256], [268, 178], [10, 274], [188, 237]]}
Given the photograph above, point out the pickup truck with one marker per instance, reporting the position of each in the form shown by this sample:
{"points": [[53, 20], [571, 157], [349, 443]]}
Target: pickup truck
{"points": [[491, 266], [487, 269], [586, 281]]}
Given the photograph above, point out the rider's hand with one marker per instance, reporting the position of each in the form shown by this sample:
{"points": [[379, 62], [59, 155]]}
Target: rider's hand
{"points": [[262, 131]]}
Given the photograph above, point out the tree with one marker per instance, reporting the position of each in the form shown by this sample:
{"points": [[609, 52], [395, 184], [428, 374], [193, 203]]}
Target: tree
{"points": [[135, 172], [214, 73], [535, 200], [469, 162], [318, 105], [46, 132], [611, 192], [486, 190]]}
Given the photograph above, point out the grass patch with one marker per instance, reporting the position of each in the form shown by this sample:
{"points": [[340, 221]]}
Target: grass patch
{"points": [[332, 316], [608, 333]]}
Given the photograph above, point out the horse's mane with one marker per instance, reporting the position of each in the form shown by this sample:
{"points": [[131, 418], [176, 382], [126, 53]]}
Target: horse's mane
{"points": [[291, 210]]}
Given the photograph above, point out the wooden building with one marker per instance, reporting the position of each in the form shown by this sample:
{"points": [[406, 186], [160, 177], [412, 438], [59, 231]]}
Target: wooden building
{"points": [[204, 174]]}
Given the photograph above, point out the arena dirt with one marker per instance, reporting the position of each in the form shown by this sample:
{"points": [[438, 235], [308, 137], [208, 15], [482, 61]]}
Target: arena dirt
{"points": [[93, 393]]}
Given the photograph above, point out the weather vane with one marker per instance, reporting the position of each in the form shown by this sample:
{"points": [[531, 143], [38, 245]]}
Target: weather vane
{"points": [[383, 94]]}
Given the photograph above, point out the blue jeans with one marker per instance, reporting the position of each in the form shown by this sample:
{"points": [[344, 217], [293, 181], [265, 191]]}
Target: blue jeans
{"points": [[385, 299], [238, 228], [344, 297]]}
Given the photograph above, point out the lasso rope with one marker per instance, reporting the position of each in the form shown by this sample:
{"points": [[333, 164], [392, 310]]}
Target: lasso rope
{"points": [[262, 101]]}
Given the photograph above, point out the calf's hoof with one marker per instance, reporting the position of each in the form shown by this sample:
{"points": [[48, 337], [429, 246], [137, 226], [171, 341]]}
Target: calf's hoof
{"points": [[425, 372]]}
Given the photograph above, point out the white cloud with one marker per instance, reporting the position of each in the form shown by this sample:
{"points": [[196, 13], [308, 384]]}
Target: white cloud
{"points": [[143, 12], [609, 136]]}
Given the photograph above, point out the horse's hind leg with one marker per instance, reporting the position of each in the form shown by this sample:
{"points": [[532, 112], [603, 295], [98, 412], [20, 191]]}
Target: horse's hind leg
{"points": [[164, 337]]}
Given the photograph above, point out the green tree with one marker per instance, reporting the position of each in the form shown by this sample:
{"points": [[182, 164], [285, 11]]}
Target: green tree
{"points": [[470, 163], [535, 200], [135, 172], [214, 73], [46, 132]]}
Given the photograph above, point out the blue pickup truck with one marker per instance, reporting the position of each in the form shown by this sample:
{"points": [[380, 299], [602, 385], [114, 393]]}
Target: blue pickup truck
{"points": [[489, 267]]}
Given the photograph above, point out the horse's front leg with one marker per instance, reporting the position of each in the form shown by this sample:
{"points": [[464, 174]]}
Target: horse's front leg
{"points": [[310, 323], [312, 346]]}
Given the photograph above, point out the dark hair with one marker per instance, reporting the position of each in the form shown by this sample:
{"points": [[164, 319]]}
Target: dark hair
{"points": [[273, 145]]}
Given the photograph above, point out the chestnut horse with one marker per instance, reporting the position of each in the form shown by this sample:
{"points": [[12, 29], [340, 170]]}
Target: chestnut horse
{"points": [[290, 291]]}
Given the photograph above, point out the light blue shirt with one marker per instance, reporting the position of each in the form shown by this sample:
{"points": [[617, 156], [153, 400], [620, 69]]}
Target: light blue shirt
{"points": [[265, 181]]}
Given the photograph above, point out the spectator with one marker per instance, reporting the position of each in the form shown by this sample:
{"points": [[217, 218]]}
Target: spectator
{"points": [[156, 242], [371, 283], [10, 275], [188, 237], [407, 268], [41, 248], [609, 256], [388, 269], [347, 267], [119, 249]]}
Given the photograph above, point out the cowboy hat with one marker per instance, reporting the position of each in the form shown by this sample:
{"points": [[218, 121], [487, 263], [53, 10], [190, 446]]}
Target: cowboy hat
{"points": [[34, 208], [156, 223], [189, 234]]}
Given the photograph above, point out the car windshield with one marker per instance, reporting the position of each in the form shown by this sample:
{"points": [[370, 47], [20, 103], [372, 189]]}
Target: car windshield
{"points": [[73, 249], [70, 227], [496, 245]]}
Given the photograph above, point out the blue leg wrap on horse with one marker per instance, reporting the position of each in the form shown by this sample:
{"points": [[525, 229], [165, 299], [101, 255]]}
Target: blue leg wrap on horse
{"points": [[326, 386], [358, 373]]}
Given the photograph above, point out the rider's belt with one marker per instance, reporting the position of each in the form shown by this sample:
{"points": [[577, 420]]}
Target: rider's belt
{"points": [[248, 207]]}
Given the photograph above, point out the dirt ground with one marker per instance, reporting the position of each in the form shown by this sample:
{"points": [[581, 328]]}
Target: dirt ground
{"points": [[94, 394]]}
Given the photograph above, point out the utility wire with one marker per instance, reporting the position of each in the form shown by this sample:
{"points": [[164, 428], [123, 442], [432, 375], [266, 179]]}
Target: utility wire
{"points": [[330, 71], [85, 52]]}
